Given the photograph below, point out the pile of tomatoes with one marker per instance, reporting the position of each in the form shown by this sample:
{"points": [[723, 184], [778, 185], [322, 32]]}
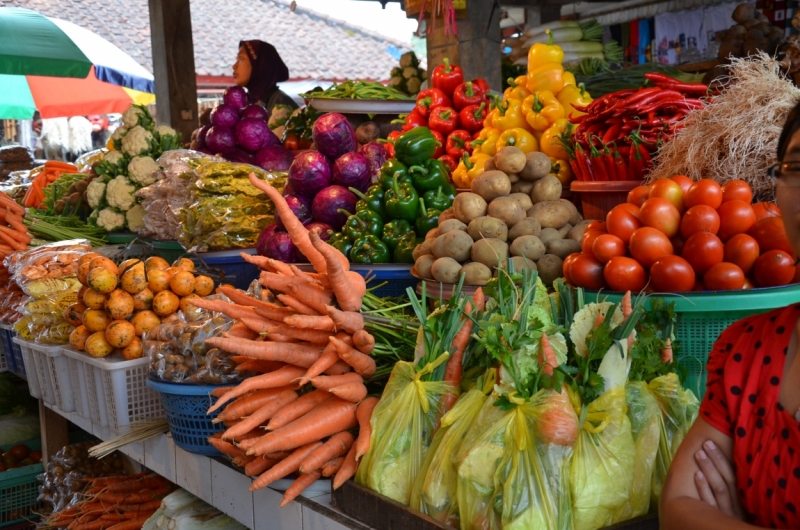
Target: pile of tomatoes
{"points": [[676, 235], [18, 456]]}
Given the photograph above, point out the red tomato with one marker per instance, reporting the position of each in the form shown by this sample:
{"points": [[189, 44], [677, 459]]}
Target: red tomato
{"points": [[20, 451], [748, 284], [36, 456], [625, 274], [735, 217], [648, 245], [622, 222], [699, 286], [796, 278], [771, 235], [672, 274], [587, 239], [766, 209], [677, 245], [566, 267], [742, 250], [703, 250], [737, 190], [587, 272], [660, 214], [700, 218], [632, 208], [684, 182], [668, 189], [638, 195], [773, 268], [607, 246], [705, 192], [724, 277], [597, 225]]}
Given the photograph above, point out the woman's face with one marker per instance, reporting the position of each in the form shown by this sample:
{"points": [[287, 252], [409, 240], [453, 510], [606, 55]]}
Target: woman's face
{"points": [[242, 68], [787, 192]]}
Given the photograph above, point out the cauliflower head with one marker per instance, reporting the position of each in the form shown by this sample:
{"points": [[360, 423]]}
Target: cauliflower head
{"points": [[142, 169], [168, 138], [113, 157], [165, 130], [135, 218], [95, 193], [119, 193], [137, 141], [110, 220], [130, 118], [119, 133]]}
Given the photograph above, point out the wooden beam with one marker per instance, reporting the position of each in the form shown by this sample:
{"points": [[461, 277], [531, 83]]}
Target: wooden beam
{"points": [[173, 65], [54, 432]]}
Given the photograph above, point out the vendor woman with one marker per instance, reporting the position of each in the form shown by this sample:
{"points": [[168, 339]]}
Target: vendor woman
{"points": [[739, 466], [259, 68]]}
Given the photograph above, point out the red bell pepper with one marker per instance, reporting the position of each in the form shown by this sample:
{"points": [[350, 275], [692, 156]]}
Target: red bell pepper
{"points": [[446, 77], [440, 146], [431, 98], [467, 94], [449, 161], [472, 117], [457, 143], [415, 119], [392, 136], [481, 82], [444, 120]]}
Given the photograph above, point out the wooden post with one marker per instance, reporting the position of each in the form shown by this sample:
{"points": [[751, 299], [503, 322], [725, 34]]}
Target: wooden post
{"points": [[173, 65], [476, 48], [54, 432]]}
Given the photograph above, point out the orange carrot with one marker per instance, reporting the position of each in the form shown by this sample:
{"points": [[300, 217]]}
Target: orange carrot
{"points": [[132, 524], [231, 310], [258, 465], [150, 481], [316, 299], [281, 377], [308, 335], [230, 423], [147, 506], [305, 404], [347, 470], [326, 382], [364, 415], [326, 360], [346, 288], [21, 237], [362, 364], [350, 321], [354, 392], [337, 445], [290, 464], [261, 262], [666, 352], [338, 368], [8, 203], [244, 406], [259, 325], [221, 391], [13, 243], [296, 304], [261, 415], [598, 320], [454, 368], [335, 415], [299, 486], [302, 355], [627, 309], [226, 448], [317, 322], [364, 341], [330, 467], [243, 299], [547, 356], [262, 367], [241, 331]]}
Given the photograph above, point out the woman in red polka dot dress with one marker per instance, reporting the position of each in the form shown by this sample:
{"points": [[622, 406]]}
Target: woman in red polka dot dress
{"points": [[739, 466]]}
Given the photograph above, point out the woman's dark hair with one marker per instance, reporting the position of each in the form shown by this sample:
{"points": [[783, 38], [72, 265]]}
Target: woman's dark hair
{"points": [[791, 126], [268, 69]]}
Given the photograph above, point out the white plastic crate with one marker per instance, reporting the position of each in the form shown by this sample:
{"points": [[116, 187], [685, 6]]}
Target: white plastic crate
{"points": [[52, 368], [95, 395], [80, 390], [36, 386], [13, 353]]}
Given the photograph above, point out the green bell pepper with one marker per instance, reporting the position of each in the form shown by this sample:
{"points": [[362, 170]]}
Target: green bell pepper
{"points": [[369, 249], [371, 200], [404, 251], [389, 169], [441, 198], [429, 175], [363, 222], [402, 200], [415, 146], [394, 231], [341, 242], [428, 219]]}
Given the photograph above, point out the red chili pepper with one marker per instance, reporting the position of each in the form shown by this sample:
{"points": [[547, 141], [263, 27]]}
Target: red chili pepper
{"points": [[457, 143], [431, 98], [443, 119], [449, 161], [467, 94], [440, 148], [640, 95], [446, 77], [612, 133], [620, 167], [576, 169], [389, 146], [597, 164], [608, 160], [416, 119], [472, 117], [583, 162], [481, 82]]}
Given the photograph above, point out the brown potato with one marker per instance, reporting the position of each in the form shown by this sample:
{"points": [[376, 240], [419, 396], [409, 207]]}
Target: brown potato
{"points": [[546, 189], [551, 268], [476, 273], [489, 165], [744, 12], [537, 165], [491, 185], [446, 215], [490, 252], [550, 214], [468, 206], [513, 178], [576, 232], [525, 227], [548, 234], [524, 200], [422, 267], [564, 230], [426, 247], [487, 227], [563, 247], [530, 247], [507, 209], [510, 159], [576, 216], [454, 244], [523, 186], [450, 225], [433, 234], [446, 270], [520, 263]]}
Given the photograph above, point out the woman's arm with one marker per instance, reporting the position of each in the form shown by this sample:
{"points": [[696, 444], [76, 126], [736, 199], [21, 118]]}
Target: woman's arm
{"points": [[704, 497]]}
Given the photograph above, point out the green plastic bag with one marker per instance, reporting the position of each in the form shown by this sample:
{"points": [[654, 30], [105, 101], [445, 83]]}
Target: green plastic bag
{"points": [[645, 416], [601, 472], [679, 408], [403, 425]]}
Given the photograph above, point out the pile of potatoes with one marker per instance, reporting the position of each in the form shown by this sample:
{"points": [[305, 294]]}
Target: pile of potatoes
{"points": [[514, 210]]}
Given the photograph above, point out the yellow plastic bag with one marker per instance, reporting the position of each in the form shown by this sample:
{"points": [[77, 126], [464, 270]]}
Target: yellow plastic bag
{"points": [[434, 491], [644, 415], [403, 425], [679, 408], [601, 472]]}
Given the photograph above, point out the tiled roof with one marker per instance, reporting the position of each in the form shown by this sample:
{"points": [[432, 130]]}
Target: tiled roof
{"points": [[313, 45]]}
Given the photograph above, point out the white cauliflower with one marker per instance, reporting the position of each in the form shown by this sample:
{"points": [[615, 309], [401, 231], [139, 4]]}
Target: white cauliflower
{"points": [[110, 220], [118, 133], [135, 218], [131, 116], [119, 193], [137, 141], [165, 130], [113, 157], [95, 192], [142, 169]]}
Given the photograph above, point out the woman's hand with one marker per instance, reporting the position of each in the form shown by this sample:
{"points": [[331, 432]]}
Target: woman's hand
{"points": [[716, 480]]}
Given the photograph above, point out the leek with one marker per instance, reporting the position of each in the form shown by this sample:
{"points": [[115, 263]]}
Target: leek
{"points": [[613, 52], [592, 30], [554, 25], [560, 36]]}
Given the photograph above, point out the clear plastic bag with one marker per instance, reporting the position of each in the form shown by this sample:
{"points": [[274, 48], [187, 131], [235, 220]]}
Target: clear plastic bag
{"points": [[644, 415], [48, 262], [87, 160], [403, 425]]}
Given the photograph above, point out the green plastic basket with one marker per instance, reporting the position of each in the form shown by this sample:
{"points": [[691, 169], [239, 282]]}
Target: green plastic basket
{"points": [[19, 489], [120, 238], [169, 250], [703, 316]]}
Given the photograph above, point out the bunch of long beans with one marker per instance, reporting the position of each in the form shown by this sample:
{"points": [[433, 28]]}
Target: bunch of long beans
{"points": [[358, 90]]}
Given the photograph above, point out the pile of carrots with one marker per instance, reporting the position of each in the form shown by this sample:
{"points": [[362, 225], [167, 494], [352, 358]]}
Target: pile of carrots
{"points": [[312, 353], [52, 171], [114, 503], [13, 232]]}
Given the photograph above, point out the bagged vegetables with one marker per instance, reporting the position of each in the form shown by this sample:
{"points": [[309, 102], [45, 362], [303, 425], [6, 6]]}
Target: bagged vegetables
{"points": [[644, 415]]}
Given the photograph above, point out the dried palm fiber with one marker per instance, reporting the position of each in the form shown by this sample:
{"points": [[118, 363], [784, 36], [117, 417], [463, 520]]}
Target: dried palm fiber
{"points": [[735, 136]]}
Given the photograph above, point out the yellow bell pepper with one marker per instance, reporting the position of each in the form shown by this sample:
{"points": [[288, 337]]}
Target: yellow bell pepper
{"points": [[538, 136], [459, 176], [571, 96], [561, 170], [550, 144], [517, 88], [541, 53], [485, 143], [541, 110], [569, 79], [110, 145], [490, 116], [519, 138], [548, 76], [475, 167], [509, 116]]}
